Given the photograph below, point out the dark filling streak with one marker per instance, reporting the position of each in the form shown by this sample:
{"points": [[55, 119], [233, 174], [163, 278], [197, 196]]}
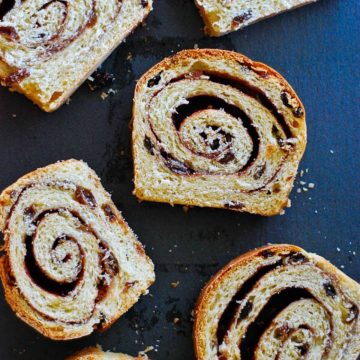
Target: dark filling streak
{"points": [[227, 316], [35, 272], [253, 92], [110, 266], [5, 7], [198, 103], [249, 90], [176, 166], [275, 305], [16, 77]]}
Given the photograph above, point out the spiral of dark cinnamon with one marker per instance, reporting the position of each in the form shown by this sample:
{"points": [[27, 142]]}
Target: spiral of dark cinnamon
{"points": [[285, 307], [202, 123], [56, 257]]}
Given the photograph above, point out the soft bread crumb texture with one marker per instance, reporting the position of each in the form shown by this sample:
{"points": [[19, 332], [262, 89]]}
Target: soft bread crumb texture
{"points": [[57, 45], [262, 187], [82, 239], [224, 16]]}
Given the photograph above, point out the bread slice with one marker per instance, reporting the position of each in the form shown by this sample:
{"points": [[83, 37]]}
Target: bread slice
{"points": [[48, 49], [96, 353], [224, 16], [71, 263], [213, 128], [278, 302]]}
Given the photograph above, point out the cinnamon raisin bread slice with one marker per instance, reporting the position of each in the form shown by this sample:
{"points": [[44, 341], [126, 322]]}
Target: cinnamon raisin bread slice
{"points": [[278, 302], [71, 263], [49, 47], [213, 128], [96, 353], [224, 16]]}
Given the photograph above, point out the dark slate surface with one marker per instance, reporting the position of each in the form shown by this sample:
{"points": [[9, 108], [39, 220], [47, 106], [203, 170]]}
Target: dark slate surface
{"points": [[317, 49]]}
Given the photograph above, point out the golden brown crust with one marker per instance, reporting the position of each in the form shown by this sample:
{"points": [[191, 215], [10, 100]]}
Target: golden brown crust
{"points": [[208, 54]]}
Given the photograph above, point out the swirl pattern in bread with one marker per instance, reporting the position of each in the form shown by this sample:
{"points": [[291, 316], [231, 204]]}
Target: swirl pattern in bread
{"points": [[224, 16], [213, 128], [96, 353], [49, 47], [71, 263], [278, 302]]}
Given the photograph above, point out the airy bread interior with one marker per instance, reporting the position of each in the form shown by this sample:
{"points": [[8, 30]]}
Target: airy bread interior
{"points": [[213, 128], [71, 262], [47, 49], [224, 16]]}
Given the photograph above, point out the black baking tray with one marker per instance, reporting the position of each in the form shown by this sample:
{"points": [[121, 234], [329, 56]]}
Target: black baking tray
{"points": [[317, 49]]}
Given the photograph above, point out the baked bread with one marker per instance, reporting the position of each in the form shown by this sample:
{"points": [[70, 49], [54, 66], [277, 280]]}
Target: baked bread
{"points": [[48, 48], [71, 262], [213, 128], [278, 302], [224, 16], [96, 353]]}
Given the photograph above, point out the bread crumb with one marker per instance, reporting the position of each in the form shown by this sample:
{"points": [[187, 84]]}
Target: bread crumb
{"points": [[176, 320], [104, 95], [311, 185], [148, 348], [129, 56], [175, 284]]}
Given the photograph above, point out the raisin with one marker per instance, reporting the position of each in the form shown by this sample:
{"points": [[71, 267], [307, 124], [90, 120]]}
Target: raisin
{"points": [[154, 80], [353, 314], [297, 258], [176, 166], [109, 212], [329, 289], [298, 112], [267, 253], [144, 3], [149, 145], [215, 144], [285, 100], [100, 80], [238, 20], [85, 197]]}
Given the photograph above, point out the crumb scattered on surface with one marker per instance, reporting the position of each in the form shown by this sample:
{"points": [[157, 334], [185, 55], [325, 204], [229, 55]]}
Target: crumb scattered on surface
{"points": [[175, 284]]}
